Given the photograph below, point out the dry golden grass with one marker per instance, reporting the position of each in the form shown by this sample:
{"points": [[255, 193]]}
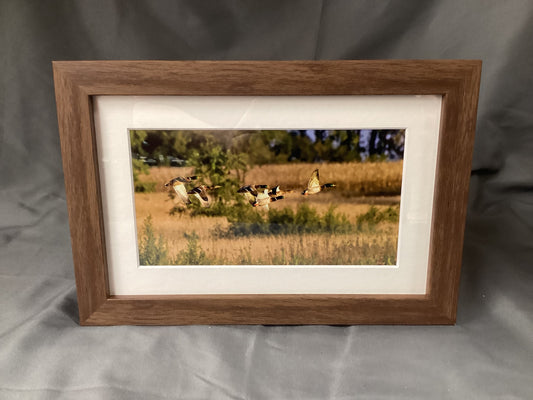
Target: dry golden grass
{"points": [[365, 248], [358, 185], [162, 175], [352, 179]]}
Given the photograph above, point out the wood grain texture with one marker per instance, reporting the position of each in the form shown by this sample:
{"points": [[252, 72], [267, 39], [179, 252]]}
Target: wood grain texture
{"points": [[456, 80], [78, 148]]}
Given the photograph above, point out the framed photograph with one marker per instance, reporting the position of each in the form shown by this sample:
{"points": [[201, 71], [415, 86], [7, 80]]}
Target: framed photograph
{"points": [[287, 192]]}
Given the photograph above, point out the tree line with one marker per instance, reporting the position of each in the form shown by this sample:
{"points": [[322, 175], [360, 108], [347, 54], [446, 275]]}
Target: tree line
{"points": [[259, 147]]}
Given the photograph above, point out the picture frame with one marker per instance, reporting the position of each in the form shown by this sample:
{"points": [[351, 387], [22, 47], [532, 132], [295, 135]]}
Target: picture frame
{"points": [[79, 83]]}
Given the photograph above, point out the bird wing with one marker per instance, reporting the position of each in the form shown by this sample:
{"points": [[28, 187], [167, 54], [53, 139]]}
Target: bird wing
{"points": [[171, 182], [247, 189], [186, 179], [275, 191], [202, 200], [249, 197], [203, 194], [179, 188], [252, 190], [313, 181], [200, 193], [262, 199]]}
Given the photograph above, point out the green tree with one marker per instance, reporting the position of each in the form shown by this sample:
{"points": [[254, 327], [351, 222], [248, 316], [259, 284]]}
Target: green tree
{"points": [[139, 167], [179, 144], [137, 139], [221, 170]]}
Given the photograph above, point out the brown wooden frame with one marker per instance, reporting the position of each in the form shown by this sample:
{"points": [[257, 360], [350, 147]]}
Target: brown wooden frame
{"points": [[77, 81]]}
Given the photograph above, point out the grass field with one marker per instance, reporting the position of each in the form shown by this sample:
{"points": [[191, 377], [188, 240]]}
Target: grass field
{"points": [[359, 187], [352, 179]]}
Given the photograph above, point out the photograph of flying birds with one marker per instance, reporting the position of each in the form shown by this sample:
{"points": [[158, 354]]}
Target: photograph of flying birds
{"points": [[267, 197], [256, 195]]}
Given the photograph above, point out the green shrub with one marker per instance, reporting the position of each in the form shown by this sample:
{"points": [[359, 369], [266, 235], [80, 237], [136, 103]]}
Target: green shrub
{"points": [[153, 249], [193, 254], [336, 223], [307, 219], [286, 222], [373, 216], [391, 214]]}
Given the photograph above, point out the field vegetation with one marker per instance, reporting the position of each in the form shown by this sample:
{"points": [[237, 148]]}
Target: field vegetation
{"points": [[297, 230], [353, 179], [354, 223]]}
